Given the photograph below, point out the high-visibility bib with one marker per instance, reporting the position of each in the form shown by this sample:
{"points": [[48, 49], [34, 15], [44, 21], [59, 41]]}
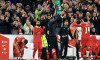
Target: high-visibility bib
{"points": [[72, 28], [44, 41]]}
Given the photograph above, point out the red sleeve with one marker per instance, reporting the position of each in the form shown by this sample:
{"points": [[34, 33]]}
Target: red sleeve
{"points": [[42, 32], [77, 25], [35, 30], [90, 24]]}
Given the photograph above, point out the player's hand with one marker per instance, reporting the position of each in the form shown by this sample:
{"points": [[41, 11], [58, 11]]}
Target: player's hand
{"points": [[77, 41], [20, 54], [18, 51], [72, 39], [63, 36], [43, 27], [75, 20]]}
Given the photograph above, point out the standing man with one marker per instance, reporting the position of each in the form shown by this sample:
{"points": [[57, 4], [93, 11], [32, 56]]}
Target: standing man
{"points": [[18, 46], [37, 32], [85, 39], [64, 39]]}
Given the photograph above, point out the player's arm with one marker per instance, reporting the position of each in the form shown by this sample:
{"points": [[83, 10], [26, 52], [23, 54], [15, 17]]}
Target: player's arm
{"points": [[77, 36], [42, 31], [77, 25], [22, 47], [16, 45], [70, 34], [60, 32], [35, 31]]}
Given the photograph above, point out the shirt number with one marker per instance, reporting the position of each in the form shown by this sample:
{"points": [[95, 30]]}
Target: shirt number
{"points": [[87, 29]]}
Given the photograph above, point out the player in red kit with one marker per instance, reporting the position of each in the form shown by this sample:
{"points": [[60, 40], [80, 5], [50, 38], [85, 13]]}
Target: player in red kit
{"points": [[85, 39], [18, 46], [37, 41]]}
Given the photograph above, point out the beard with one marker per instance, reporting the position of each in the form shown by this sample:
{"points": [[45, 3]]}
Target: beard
{"points": [[38, 24]]}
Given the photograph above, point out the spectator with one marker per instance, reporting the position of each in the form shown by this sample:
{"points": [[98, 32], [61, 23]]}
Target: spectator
{"points": [[4, 24], [79, 18], [93, 31], [24, 17], [15, 28], [73, 9], [28, 27], [38, 12], [95, 22]]}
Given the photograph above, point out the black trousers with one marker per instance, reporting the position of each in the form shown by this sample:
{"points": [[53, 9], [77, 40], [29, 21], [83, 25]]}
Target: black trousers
{"points": [[64, 45], [77, 51], [52, 43], [44, 54]]}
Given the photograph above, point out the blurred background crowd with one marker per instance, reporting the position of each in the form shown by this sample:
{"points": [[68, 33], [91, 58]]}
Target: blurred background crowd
{"points": [[20, 16]]}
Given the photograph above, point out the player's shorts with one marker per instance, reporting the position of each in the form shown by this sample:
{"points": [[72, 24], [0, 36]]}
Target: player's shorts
{"points": [[37, 45], [85, 41]]}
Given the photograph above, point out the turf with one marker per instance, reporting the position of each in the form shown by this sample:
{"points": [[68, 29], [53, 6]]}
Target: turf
{"points": [[94, 59]]}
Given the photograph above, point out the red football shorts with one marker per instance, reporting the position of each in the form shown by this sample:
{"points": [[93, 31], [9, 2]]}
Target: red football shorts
{"points": [[37, 45], [85, 41]]}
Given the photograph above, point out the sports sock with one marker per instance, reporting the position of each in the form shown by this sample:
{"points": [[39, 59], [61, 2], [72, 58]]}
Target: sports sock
{"points": [[40, 53], [34, 52]]}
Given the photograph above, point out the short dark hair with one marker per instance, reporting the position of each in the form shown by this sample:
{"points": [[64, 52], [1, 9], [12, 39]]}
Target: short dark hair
{"points": [[25, 41], [66, 20], [85, 19], [81, 12]]}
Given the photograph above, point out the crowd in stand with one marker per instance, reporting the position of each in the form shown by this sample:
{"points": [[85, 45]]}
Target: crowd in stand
{"points": [[20, 18]]}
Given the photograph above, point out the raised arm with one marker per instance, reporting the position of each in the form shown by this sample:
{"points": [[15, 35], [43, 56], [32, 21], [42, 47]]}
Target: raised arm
{"points": [[77, 25], [70, 34]]}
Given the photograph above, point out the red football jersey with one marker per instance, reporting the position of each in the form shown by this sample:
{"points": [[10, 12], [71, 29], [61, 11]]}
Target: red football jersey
{"points": [[18, 40], [85, 28], [37, 34]]}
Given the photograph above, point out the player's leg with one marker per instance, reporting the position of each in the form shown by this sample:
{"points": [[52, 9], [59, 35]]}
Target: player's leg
{"points": [[89, 49], [35, 49], [16, 53], [22, 53], [82, 46], [79, 49], [40, 49]]}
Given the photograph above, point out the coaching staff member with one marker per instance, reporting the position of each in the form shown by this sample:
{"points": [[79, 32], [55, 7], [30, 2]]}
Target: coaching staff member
{"points": [[52, 41], [64, 38]]}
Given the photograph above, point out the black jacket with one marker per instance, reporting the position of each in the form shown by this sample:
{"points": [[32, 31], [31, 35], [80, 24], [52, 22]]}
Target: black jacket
{"points": [[65, 31], [52, 25], [4, 27]]}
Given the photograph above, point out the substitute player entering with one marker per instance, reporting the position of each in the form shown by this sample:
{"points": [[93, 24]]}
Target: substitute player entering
{"points": [[85, 39]]}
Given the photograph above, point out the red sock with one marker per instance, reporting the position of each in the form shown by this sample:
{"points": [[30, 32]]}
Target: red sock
{"points": [[90, 51], [82, 52], [34, 52], [40, 53]]}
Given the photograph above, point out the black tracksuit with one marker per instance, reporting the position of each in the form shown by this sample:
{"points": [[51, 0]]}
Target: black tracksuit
{"points": [[64, 40], [52, 39]]}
